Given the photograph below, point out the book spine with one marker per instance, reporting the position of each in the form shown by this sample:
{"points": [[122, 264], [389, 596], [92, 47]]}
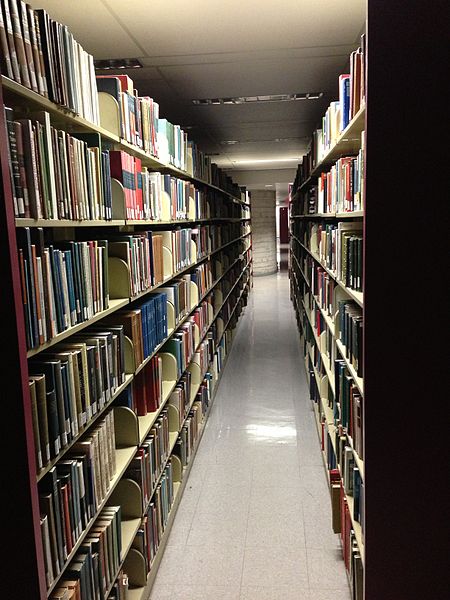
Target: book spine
{"points": [[19, 43], [19, 205]]}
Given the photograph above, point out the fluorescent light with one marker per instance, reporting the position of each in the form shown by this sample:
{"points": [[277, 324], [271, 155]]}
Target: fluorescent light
{"points": [[117, 63], [261, 98], [265, 160], [268, 185]]}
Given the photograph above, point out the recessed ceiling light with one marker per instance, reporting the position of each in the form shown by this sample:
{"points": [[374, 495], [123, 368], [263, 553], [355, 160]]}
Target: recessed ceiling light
{"points": [[229, 142], [261, 98], [269, 185], [118, 63]]}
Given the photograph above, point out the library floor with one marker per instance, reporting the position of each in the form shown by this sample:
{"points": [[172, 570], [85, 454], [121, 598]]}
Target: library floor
{"points": [[254, 521]]}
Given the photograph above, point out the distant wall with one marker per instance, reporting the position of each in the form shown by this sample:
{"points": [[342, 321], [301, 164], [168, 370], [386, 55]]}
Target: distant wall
{"points": [[264, 232]]}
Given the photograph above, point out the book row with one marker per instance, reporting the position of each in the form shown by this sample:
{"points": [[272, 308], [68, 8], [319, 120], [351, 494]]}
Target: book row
{"points": [[349, 407], [338, 247], [344, 396], [341, 189], [56, 175], [66, 283], [71, 384], [94, 569], [42, 55], [352, 92], [350, 320], [71, 492], [141, 126]]}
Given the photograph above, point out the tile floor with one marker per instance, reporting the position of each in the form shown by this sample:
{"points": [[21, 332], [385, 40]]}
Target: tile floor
{"points": [[254, 520]]}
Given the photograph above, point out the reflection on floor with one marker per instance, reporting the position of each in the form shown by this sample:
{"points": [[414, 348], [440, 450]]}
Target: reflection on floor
{"points": [[254, 522], [282, 256]]}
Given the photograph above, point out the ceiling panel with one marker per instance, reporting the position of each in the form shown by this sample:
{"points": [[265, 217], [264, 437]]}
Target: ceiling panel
{"points": [[169, 28], [93, 26], [248, 55], [283, 76], [258, 113]]}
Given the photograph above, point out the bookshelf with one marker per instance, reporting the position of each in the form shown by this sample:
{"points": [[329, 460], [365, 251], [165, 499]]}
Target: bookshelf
{"points": [[327, 209], [143, 396]]}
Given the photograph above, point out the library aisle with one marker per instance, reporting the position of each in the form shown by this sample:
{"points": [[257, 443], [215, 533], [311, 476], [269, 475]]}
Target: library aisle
{"points": [[254, 521]]}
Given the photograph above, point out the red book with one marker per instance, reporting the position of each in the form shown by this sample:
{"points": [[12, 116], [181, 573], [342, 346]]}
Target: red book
{"points": [[138, 186], [120, 170], [152, 404], [131, 168], [65, 498], [139, 393]]}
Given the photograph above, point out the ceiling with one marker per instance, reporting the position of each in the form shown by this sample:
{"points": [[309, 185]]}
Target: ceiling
{"points": [[217, 48]]}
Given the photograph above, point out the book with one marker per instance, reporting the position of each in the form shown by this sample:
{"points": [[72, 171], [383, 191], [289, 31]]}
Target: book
{"points": [[19, 42]]}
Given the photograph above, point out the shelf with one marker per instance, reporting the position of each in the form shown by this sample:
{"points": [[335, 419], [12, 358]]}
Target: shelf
{"points": [[355, 214], [60, 114], [325, 359], [129, 529], [358, 380], [20, 222], [121, 303], [329, 320], [54, 461], [124, 457], [67, 223], [358, 297], [329, 420], [356, 526], [147, 421], [13, 90], [358, 460], [349, 142], [113, 306]]}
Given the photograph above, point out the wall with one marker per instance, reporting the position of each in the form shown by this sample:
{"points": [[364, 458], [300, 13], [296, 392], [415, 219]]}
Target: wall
{"points": [[264, 232]]}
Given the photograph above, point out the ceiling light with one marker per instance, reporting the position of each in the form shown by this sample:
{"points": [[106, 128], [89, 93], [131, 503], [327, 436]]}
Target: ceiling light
{"points": [[262, 98], [118, 63], [229, 142], [269, 185], [264, 160]]}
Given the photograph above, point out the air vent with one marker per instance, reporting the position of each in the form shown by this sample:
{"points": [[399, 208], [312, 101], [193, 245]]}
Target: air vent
{"points": [[117, 63]]}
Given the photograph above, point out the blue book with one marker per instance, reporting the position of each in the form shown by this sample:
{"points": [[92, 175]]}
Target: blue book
{"points": [[356, 493], [70, 286], [54, 262], [125, 398], [144, 308], [344, 100]]}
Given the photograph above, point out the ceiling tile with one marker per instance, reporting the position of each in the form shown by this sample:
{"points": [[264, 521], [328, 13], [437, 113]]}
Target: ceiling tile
{"points": [[199, 27], [247, 79], [93, 26]]}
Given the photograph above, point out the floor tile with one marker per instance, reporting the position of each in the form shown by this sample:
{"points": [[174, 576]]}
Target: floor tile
{"points": [[268, 566], [211, 528], [329, 563], [277, 592]]}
